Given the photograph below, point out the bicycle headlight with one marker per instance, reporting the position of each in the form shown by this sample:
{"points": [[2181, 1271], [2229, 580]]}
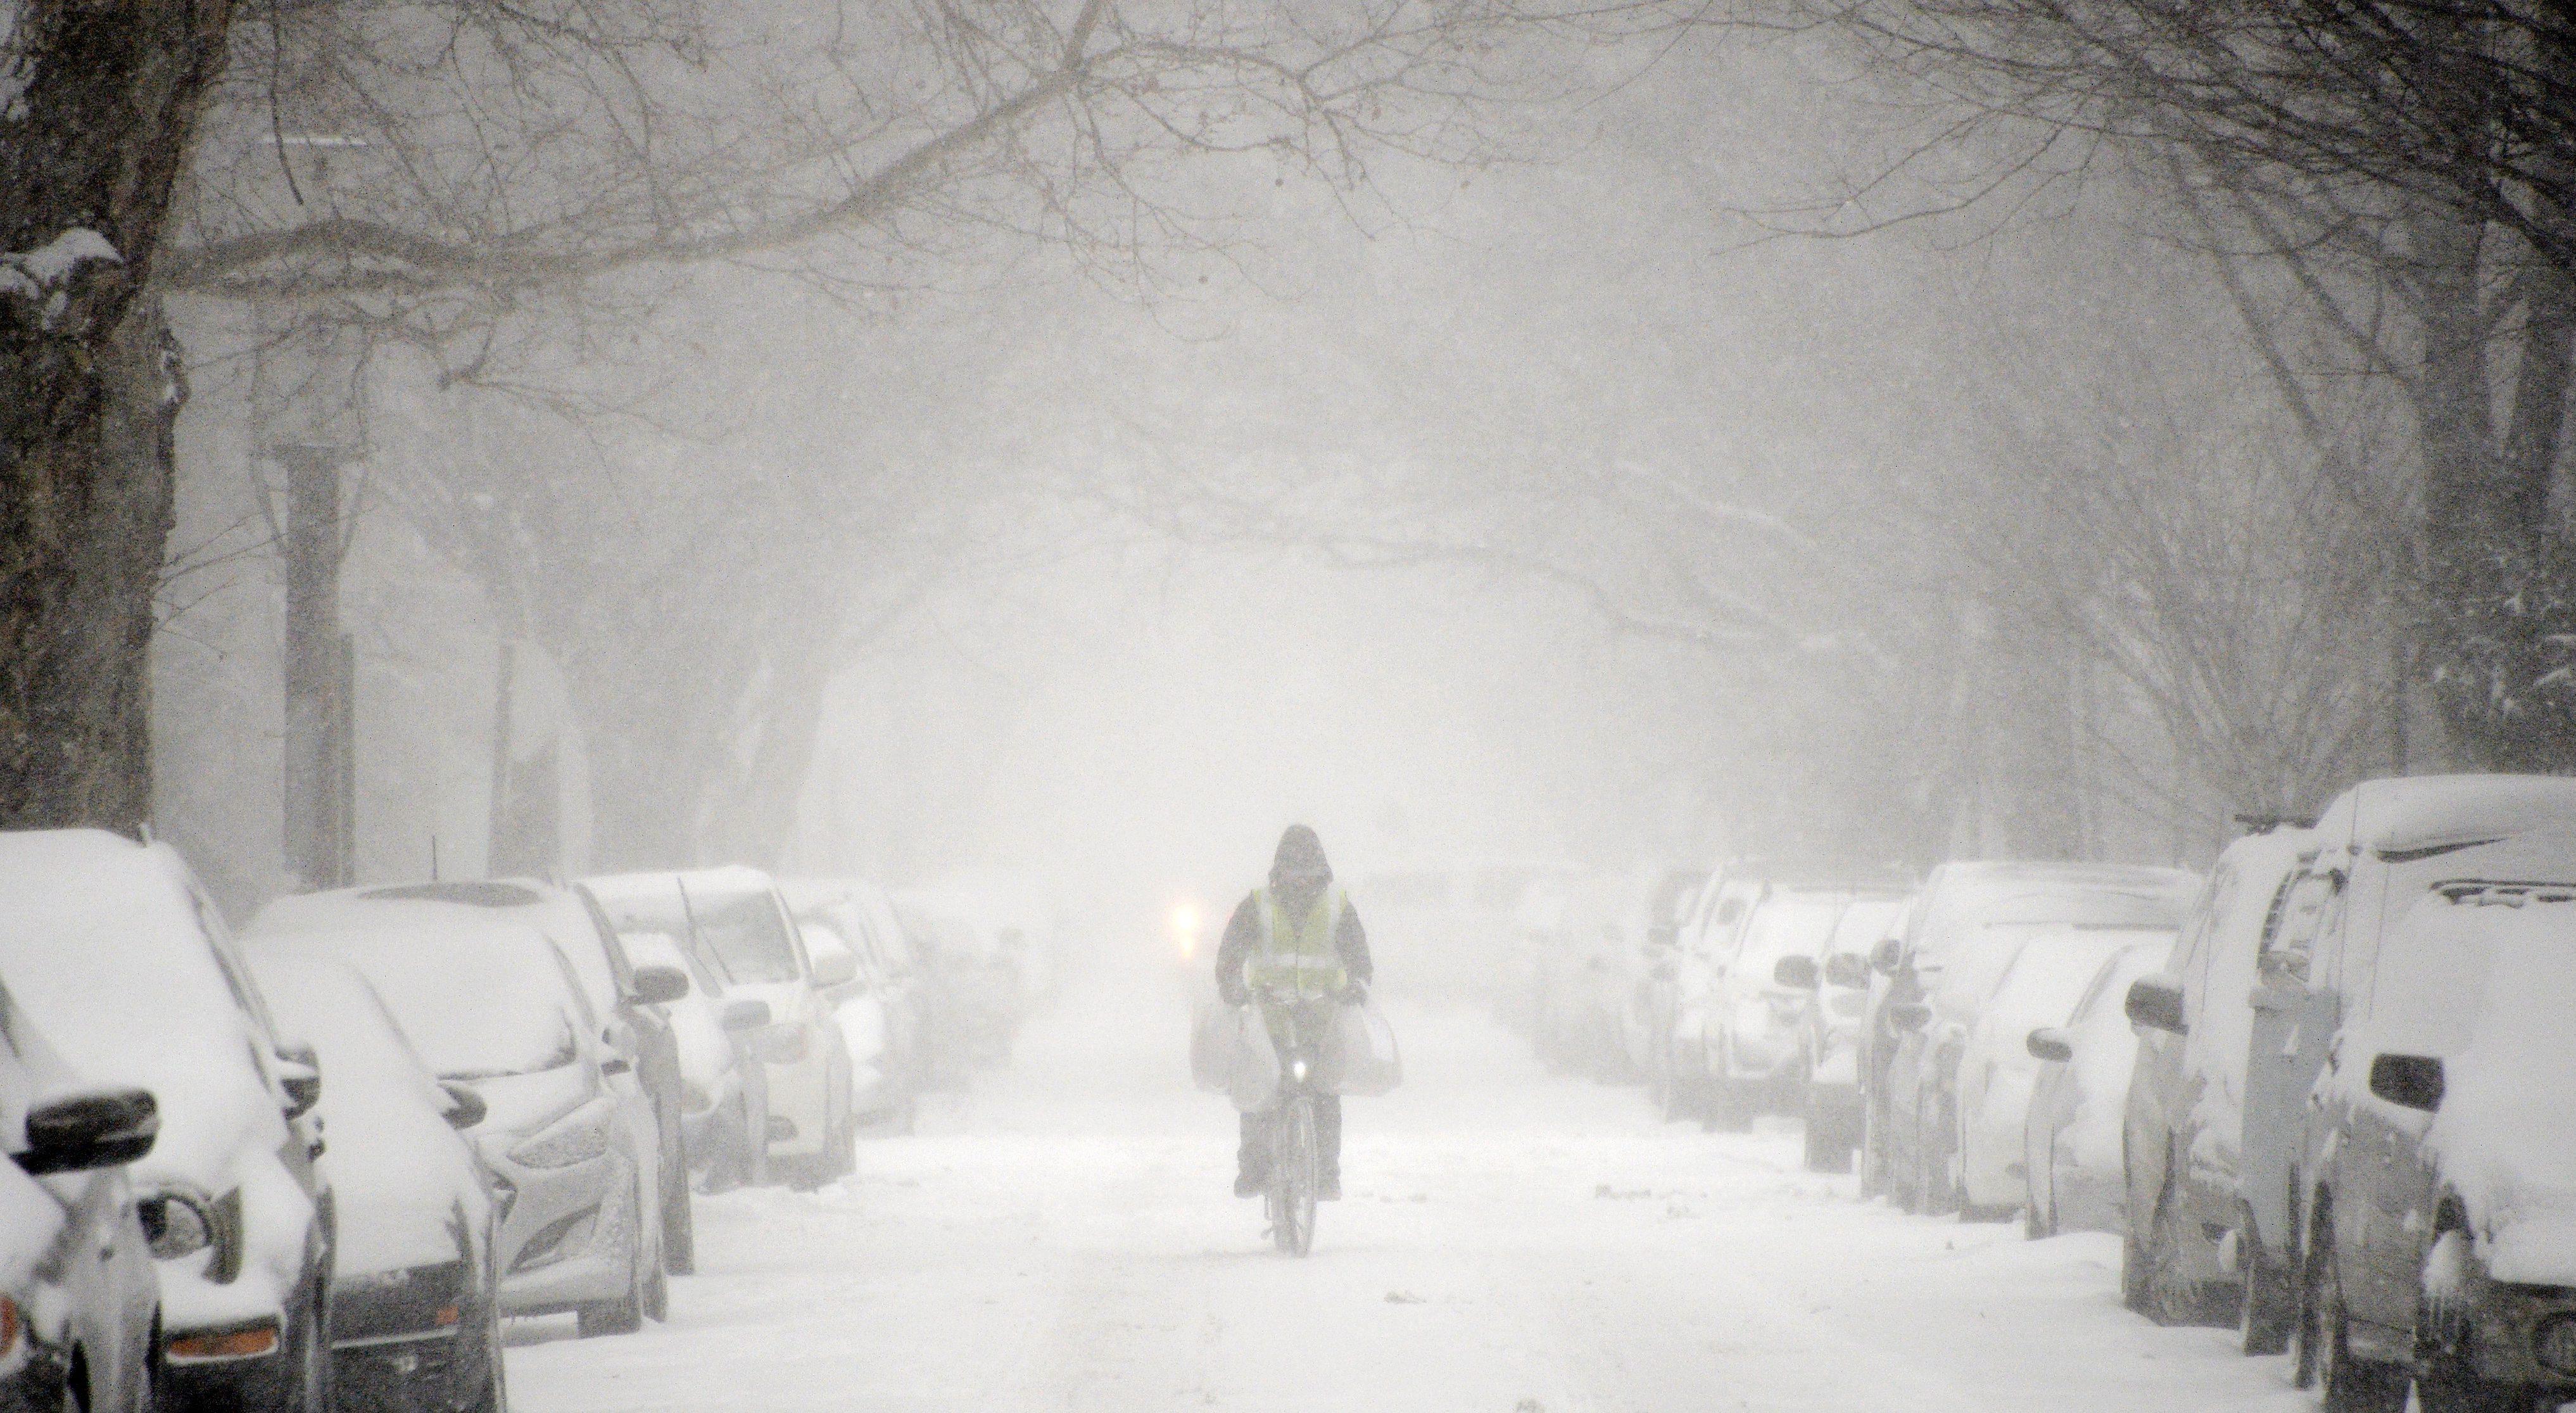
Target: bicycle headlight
{"points": [[1297, 1069], [577, 1137]]}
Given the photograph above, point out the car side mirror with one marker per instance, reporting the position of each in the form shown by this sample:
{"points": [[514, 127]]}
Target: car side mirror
{"points": [[2155, 1003], [659, 985], [1848, 970], [834, 966], [300, 1075], [465, 1108], [2408, 1081], [94, 1130], [1909, 1015], [1888, 957], [2050, 1043], [1796, 973], [748, 1013]]}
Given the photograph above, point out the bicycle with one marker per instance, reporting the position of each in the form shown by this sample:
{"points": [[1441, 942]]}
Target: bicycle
{"points": [[1296, 1160]]}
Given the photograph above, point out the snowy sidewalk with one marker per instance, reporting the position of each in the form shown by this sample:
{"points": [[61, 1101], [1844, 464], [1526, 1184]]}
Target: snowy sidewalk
{"points": [[1064, 1238]]}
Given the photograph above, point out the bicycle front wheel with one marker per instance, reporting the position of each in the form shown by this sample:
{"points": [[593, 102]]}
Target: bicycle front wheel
{"points": [[1294, 1162]]}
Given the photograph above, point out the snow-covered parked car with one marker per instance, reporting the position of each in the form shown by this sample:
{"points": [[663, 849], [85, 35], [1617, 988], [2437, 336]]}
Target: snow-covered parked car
{"points": [[2047, 976], [740, 928], [879, 1090], [1834, 1030], [2442, 1248], [2210, 1132], [890, 976], [724, 1089], [117, 953], [1757, 1030], [415, 1308], [621, 1001], [1644, 924], [492, 1006], [2071, 1139], [79, 1301], [1967, 925]]}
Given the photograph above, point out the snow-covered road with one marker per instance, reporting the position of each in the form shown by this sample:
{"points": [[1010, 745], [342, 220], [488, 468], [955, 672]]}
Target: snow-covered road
{"points": [[1064, 1238]]}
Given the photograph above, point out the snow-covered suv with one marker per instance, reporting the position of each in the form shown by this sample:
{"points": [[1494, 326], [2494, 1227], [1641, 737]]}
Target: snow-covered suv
{"points": [[118, 954], [2443, 1246]]}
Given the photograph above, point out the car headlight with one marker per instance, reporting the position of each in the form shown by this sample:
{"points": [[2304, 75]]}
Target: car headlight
{"points": [[577, 1137], [177, 1224], [2554, 1344]]}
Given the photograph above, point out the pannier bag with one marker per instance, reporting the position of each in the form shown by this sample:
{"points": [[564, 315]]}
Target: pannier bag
{"points": [[1231, 1054], [1364, 1060]]}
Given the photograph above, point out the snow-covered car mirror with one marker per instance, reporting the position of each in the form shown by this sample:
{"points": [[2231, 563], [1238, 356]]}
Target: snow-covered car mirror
{"points": [[1887, 956], [95, 1130], [301, 1077], [2050, 1043], [2408, 1081], [2155, 1002], [1798, 973], [465, 1108], [659, 985], [748, 1013], [834, 963]]}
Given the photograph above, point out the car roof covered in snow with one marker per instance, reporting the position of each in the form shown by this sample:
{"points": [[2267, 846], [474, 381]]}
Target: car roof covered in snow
{"points": [[105, 945], [2396, 817], [563, 915]]}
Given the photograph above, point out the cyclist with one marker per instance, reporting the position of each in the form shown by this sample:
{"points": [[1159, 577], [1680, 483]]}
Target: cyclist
{"points": [[1301, 929]]}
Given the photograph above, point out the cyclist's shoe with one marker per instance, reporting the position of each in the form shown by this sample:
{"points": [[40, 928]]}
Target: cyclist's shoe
{"points": [[1329, 1189], [1247, 1183]]}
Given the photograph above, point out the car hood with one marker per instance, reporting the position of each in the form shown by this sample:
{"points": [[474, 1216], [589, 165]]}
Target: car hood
{"points": [[523, 1103]]}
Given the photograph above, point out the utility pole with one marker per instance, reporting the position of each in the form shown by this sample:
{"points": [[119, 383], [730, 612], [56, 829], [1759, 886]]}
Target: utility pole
{"points": [[320, 766]]}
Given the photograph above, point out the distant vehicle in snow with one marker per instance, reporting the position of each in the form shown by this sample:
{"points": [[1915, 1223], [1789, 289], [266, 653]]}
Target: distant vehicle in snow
{"points": [[2071, 1147], [494, 1007], [1765, 981], [973, 1011], [415, 1298], [2443, 1243], [82, 1303], [2210, 1132], [1834, 1030], [122, 959], [1967, 925], [2047, 976], [883, 1009], [740, 928], [622, 1001], [724, 1088]]}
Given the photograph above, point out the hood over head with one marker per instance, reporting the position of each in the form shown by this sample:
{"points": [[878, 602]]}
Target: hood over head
{"points": [[1299, 866]]}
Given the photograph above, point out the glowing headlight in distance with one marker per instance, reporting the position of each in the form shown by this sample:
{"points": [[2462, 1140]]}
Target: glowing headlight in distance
{"points": [[1185, 928], [577, 1137]]}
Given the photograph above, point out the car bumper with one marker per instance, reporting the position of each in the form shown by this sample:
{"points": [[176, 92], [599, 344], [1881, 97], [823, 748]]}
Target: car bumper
{"points": [[253, 1383], [38, 1385], [2504, 1324], [801, 1094], [571, 1235]]}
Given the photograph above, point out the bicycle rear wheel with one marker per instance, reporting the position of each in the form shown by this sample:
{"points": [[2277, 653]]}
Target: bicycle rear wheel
{"points": [[1293, 1177]]}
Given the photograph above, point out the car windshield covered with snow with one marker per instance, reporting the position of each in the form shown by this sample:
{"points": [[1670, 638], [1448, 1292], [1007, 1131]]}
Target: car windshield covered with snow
{"points": [[476, 1002], [1788, 924]]}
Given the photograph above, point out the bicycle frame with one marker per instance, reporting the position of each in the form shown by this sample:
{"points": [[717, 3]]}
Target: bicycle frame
{"points": [[1295, 1162]]}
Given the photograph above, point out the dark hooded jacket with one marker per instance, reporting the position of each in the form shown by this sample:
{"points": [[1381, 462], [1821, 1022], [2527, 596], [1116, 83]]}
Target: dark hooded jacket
{"points": [[1297, 870]]}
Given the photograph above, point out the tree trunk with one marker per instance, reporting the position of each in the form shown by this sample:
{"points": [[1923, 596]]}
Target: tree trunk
{"points": [[91, 144]]}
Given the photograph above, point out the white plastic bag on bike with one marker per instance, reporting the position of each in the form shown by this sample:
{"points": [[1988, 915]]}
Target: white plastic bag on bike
{"points": [[1212, 1049], [1364, 1060], [1252, 1061]]}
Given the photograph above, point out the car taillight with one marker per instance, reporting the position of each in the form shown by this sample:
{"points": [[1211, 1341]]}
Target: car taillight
{"points": [[13, 1330], [244, 1342]]}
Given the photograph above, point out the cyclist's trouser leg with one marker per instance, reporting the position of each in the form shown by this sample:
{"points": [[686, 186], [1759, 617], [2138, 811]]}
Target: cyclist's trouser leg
{"points": [[1328, 1133], [1252, 1154]]}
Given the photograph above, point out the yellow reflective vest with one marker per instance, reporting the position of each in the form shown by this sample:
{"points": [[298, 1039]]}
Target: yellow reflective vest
{"points": [[1297, 959]]}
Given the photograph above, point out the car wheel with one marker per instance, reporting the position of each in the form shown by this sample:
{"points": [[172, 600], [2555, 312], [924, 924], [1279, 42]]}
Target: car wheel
{"points": [[2133, 1273], [313, 1358], [493, 1394], [657, 1292], [2351, 1385], [2447, 1388], [2267, 1309], [1828, 1147], [679, 1224], [2172, 1297], [624, 1315]]}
